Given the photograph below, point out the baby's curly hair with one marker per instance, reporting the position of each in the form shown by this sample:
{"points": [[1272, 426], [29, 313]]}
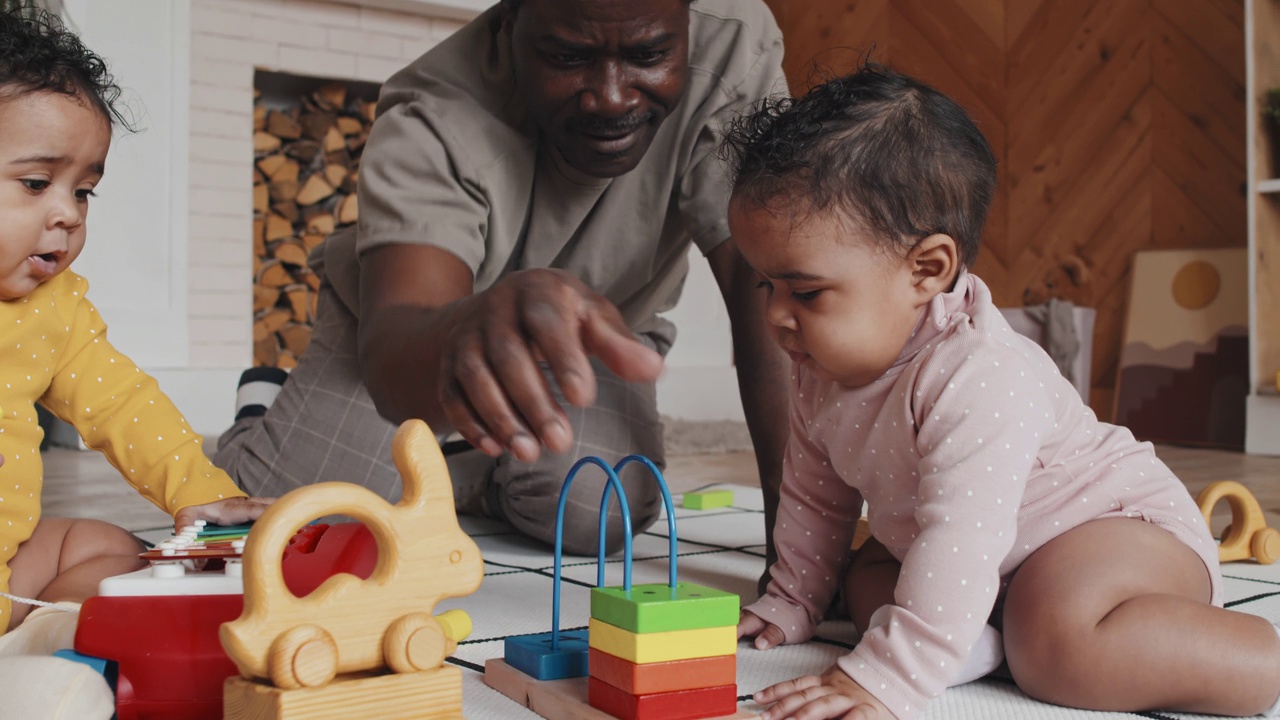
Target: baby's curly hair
{"points": [[889, 152], [39, 54]]}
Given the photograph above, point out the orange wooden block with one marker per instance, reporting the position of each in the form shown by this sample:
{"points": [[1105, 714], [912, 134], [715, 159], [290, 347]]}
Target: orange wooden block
{"points": [[649, 678], [557, 699], [710, 702]]}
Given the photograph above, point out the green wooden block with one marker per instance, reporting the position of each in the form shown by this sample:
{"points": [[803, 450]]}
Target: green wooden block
{"points": [[708, 499], [660, 608]]}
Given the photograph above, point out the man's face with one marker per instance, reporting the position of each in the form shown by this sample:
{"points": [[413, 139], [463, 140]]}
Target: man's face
{"points": [[600, 76]]}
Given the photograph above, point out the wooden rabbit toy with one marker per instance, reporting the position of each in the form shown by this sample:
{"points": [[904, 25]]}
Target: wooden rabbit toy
{"points": [[353, 647]]}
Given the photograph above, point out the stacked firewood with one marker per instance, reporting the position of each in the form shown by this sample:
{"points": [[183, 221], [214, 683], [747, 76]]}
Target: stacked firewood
{"points": [[307, 164]]}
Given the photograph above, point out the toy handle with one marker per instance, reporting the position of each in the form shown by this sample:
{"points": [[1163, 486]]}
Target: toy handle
{"points": [[1246, 514], [264, 548], [423, 471], [564, 497], [672, 571]]}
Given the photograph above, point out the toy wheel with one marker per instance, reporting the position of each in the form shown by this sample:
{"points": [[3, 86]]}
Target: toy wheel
{"points": [[415, 642], [1265, 545], [303, 656]]}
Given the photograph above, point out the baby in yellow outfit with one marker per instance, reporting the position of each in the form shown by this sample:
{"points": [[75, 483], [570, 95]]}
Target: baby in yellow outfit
{"points": [[57, 114]]}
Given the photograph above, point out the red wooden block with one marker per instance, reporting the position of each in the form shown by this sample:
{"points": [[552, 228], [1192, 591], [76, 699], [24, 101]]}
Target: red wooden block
{"points": [[710, 702], [649, 678]]}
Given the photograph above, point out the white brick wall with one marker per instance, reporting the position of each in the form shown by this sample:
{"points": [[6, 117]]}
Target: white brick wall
{"points": [[230, 40]]}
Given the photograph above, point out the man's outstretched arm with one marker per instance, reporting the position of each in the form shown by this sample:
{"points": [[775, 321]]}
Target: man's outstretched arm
{"points": [[433, 349]]}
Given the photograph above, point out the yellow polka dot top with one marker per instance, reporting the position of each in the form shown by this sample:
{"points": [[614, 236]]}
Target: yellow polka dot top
{"points": [[54, 350]]}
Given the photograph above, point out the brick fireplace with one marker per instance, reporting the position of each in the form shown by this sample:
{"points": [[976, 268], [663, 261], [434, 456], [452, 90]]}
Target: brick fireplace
{"points": [[232, 42]]}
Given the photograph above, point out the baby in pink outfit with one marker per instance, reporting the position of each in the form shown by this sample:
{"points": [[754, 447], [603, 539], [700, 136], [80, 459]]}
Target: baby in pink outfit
{"points": [[993, 492]]}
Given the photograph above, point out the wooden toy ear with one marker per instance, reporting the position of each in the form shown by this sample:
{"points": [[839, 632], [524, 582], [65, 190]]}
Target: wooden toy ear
{"points": [[421, 465]]}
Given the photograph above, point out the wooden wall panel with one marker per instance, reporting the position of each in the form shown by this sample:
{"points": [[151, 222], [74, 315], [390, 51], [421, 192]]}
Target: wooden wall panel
{"points": [[1118, 124]]}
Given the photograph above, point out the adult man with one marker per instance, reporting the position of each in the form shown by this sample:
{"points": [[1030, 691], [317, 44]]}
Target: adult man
{"points": [[527, 198]]}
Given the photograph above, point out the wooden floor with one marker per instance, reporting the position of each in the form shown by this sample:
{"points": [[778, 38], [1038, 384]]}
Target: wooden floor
{"points": [[83, 484]]}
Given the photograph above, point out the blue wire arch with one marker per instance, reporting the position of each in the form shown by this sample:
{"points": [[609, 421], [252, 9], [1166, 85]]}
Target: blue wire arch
{"points": [[672, 571], [612, 482], [564, 497]]}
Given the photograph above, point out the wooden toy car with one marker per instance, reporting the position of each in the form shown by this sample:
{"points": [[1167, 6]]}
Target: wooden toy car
{"points": [[1248, 535]]}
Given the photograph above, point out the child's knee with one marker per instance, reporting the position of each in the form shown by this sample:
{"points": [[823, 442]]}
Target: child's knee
{"points": [[89, 539]]}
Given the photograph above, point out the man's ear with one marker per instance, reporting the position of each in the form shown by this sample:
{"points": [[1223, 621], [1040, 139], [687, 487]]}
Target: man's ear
{"points": [[934, 265]]}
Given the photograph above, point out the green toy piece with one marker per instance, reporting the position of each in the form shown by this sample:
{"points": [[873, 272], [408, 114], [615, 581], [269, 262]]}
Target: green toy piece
{"points": [[708, 499], [659, 608]]}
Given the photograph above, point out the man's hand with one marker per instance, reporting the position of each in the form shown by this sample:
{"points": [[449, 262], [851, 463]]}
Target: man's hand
{"points": [[767, 635], [491, 387], [834, 695], [231, 511]]}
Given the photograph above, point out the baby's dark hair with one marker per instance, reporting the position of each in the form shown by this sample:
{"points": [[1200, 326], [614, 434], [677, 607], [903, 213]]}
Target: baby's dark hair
{"points": [[886, 150], [39, 54]]}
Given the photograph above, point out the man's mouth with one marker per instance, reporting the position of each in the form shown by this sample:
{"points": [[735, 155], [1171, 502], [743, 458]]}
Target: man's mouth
{"points": [[44, 264], [613, 137], [612, 144]]}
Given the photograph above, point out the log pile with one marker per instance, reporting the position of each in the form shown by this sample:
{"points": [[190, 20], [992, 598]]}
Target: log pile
{"points": [[306, 167]]}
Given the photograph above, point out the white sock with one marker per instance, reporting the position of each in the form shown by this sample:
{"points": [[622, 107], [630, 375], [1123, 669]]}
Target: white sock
{"points": [[257, 390], [987, 653], [43, 631], [1274, 710]]}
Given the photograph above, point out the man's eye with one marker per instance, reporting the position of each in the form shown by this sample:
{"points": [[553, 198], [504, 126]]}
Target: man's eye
{"points": [[806, 296], [35, 185], [651, 57], [568, 58], [764, 285]]}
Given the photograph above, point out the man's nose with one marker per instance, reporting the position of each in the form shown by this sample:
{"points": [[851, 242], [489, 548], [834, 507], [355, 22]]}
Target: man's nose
{"points": [[611, 93]]}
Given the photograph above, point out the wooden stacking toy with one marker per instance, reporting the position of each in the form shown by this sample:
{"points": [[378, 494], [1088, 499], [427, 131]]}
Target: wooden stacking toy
{"points": [[651, 652]]}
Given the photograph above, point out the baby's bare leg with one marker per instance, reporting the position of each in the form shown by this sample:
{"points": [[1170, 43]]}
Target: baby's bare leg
{"points": [[65, 559], [1115, 615], [870, 582]]}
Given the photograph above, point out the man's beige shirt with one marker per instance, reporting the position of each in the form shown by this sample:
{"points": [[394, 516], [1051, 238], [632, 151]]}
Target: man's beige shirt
{"points": [[454, 162]]}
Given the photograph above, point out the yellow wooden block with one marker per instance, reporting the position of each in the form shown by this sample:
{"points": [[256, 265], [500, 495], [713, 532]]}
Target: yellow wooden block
{"points": [[433, 694], [663, 646]]}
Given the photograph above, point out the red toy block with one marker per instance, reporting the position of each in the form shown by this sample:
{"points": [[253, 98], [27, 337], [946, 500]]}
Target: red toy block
{"points": [[171, 664], [712, 702], [170, 661], [663, 677]]}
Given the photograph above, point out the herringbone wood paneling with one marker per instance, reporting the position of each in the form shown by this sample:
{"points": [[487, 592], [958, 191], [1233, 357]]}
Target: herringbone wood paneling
{"points": [[1118, 124]]}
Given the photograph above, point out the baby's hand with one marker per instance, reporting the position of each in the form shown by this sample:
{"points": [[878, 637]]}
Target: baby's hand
{"points": [[834, 695], [231, 511], [767, 635]]}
